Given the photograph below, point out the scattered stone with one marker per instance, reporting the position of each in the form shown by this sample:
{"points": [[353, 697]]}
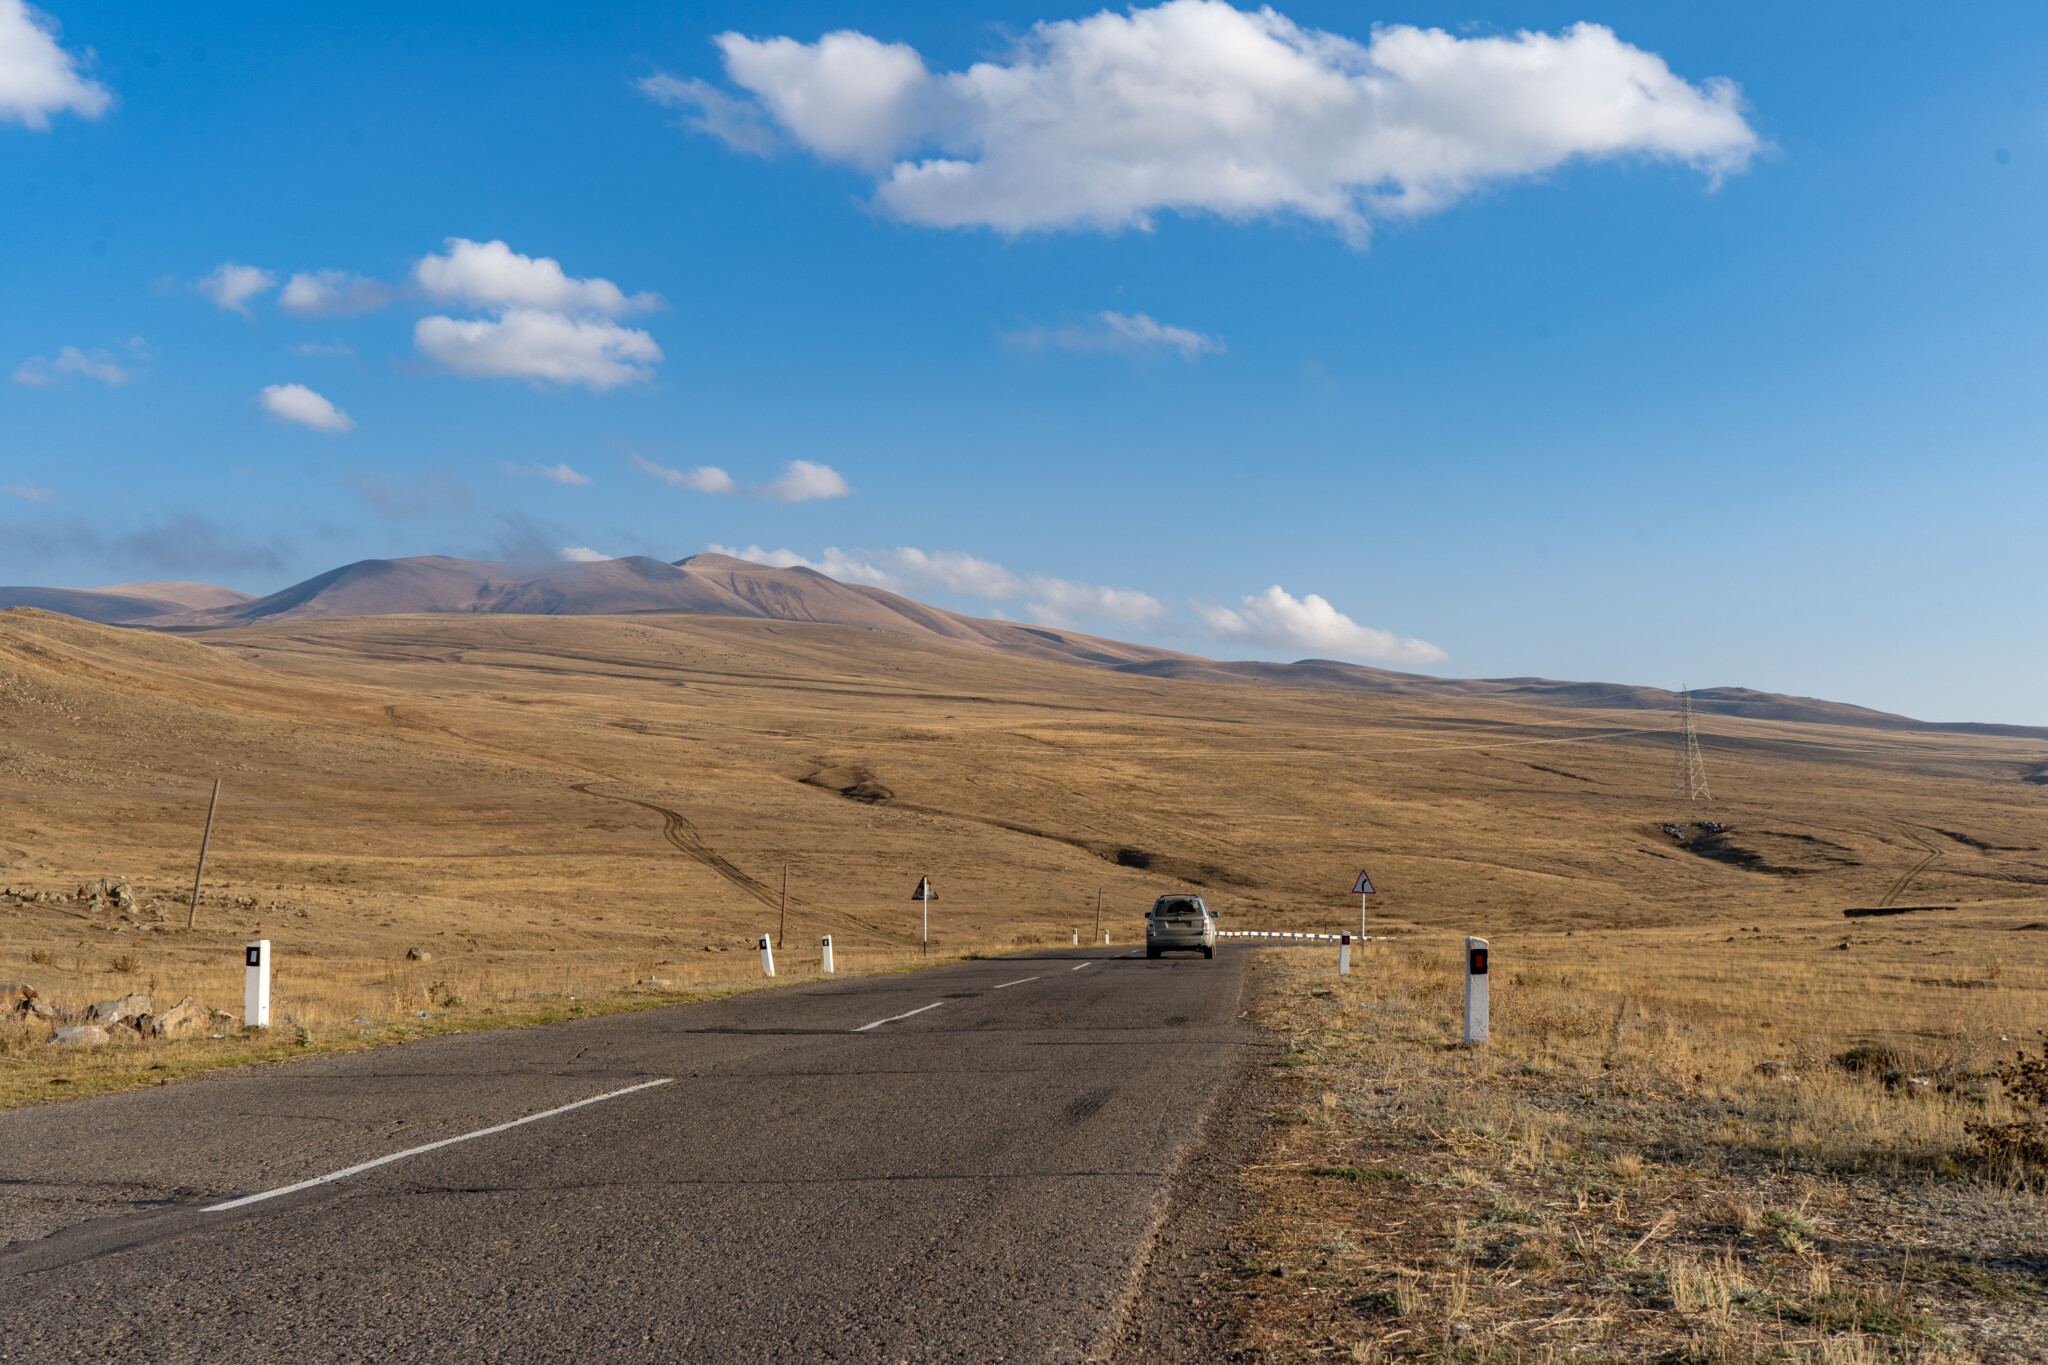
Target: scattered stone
{"points": [[124, 896], [1919, 1085], [182, 1020], [1775, 1070], [660, 983], [419, 955], [118, 1011], [80, 1035]]}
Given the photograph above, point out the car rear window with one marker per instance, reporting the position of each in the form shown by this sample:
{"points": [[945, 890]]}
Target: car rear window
{"points": [[1177, 908]]}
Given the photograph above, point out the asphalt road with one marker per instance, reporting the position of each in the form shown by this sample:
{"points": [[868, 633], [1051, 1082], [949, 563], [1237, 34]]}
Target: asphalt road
{"points": [[978, 1181]]}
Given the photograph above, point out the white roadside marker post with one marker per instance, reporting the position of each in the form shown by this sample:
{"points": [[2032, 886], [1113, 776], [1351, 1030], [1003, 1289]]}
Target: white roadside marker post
{"points": [[767, 956], [828, 954], [1077, 938], [1344, 955], [1475, 990], [256, 985]]}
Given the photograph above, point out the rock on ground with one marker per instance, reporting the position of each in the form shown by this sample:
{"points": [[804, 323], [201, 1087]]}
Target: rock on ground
{"points": [[80, 1035]]}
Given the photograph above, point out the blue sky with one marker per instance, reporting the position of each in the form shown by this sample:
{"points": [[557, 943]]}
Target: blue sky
{"points": [[1515, 367]]}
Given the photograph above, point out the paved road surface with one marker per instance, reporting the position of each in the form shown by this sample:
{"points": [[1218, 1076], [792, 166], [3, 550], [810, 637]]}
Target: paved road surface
{"points": [[975, 1182]]}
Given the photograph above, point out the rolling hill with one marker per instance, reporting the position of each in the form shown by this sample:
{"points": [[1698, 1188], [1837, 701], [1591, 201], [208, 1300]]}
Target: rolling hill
{"points": [[720, 585]]}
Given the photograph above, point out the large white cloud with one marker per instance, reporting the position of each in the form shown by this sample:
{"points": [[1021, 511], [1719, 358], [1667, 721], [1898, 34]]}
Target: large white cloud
{"points": [[526, 343], [317, 293], [493, 275], [297, 403], [544, 324], [231, 286], [1194, 105], [1276, 619], [38, 77], [907, 568]]}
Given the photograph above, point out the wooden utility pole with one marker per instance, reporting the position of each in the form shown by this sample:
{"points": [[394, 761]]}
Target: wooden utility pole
{"points": [[1098, 914], [783, 928], [192, 916]]}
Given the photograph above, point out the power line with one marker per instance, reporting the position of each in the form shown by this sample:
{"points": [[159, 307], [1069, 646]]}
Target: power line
{"points": [[1689, 770]]}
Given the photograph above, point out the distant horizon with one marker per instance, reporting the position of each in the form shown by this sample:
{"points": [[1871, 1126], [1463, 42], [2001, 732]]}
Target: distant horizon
{"points": [[559, 564]]}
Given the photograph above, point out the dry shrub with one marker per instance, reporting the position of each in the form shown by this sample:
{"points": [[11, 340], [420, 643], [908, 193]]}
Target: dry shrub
{"points": [[126, 964], [2024, 1140]]}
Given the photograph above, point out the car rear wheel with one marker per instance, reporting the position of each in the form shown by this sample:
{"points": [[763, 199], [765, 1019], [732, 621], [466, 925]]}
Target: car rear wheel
{"points": [[1150, 951], [1209, 952]]}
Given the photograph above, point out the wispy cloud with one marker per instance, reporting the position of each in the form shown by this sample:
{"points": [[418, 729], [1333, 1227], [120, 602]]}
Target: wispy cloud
{"points": [[1276, 619], [318, 293], [559, 473], [707, 478], [1125, 332], [1048, 600], [805, 481], [231, 286], [183, 544], [408, 499], [21, 490], [327, 348], [297, 403], [103, 366], [581, 554]]}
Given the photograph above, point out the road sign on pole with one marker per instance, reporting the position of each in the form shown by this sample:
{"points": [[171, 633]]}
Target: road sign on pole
{"points": [[925, 894], [1362, 887]]}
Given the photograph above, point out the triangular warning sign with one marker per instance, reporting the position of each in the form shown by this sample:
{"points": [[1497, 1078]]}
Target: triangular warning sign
{"points": [[1363, 886], [924, 890]]}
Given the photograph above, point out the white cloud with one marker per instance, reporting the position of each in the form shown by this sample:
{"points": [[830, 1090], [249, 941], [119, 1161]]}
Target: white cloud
{"points": [[707, 478], [100, 365], [544, 323], [493, 275], [560, 473], [297, 403], [38, 78], [907, 568], [1275, 619], [1122, 332], [231, 286], [1195, 106], [736, 122], [525, 343], [317, 293], [805, 481], [20, 490], [581, 554]]}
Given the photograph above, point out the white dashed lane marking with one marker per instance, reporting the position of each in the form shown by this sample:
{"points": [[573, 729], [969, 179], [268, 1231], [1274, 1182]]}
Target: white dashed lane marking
{"points": [[894, 1017]]}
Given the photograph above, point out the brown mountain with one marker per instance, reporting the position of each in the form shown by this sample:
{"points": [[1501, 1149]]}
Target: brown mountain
{"points": [[708, 585], [719, 585], [124, 603]]}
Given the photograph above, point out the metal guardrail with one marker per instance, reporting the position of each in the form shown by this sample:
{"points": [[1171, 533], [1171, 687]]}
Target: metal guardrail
{"points": [[1289, 933]]}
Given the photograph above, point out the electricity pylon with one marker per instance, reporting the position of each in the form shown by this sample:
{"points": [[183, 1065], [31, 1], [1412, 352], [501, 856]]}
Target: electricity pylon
{"points": [[1689, 773]]}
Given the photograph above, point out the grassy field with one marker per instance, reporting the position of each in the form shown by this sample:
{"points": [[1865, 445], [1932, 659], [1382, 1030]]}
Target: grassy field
{"points": [[1677, 1146], [558, 807]]}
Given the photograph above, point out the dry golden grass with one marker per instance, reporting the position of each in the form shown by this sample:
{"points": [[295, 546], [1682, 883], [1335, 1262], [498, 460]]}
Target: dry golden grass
{"points": [[1620, 1175], [563, 806]]}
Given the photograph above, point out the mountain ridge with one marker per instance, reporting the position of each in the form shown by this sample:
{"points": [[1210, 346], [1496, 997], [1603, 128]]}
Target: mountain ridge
{"points": [[721, 585]]}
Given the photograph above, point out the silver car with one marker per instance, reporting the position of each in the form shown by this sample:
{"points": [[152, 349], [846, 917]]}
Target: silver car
{"points": [[1180, 924]]}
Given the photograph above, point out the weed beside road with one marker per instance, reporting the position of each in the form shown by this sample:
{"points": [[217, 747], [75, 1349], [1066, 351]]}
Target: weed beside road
{"points": [[1656, 1173]]}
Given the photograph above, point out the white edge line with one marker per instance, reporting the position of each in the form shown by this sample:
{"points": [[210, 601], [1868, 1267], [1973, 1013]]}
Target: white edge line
{"points": [[1020, 981], [1084, 964], [894, 1017], [333, 1176]]}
